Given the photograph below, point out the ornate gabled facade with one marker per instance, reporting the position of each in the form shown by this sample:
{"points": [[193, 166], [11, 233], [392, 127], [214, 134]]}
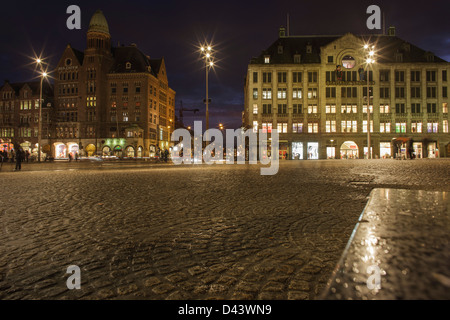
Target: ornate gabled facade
{"points": [[111, 101], [313, 89]]}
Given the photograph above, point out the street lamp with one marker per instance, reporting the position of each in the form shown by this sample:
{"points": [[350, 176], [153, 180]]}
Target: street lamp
{"points": [[207, 55], [43, 75], [369, 58]]}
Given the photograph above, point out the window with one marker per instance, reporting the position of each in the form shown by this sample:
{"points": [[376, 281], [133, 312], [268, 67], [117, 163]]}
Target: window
{"points": [[312, 77], [282, 109], [281, 94], [255, 126], [384, 92], [313, 127], [267, 93], [364, 128], [444, 75], [297, 108], [415, 92], [431, 92], [297, 58], [431, 76], [297, 93], [330, 92], [385, 127], [415, 108], [399, 76], [128, 65], [400, 108], [384, 75], [255, 108], [365, 108], [312, 109], [282, 127], [349, 109], [330, 126], [330, 59], [267, 108], [297, 127], [312, 93], [445, 126], [415, 76], [267, 59], [255, 93], [255, 77], [282, 77], [444, 107], [400, 127], [416, 127], [432, 127], [125, 116], [349, 92], [349, 126], [267, 77], [444, 92], [431, 107], [399, 92], [267, 127], [296, 77], [330, 76], [330, 109]]}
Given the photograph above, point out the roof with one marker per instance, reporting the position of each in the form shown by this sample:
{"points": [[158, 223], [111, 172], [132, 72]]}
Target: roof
{"points": [[35, 87], [98, 23], [139, 62], [298, 45]]}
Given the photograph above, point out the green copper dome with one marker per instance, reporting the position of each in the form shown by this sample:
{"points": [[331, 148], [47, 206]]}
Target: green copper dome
{"points": [[98, 23]]}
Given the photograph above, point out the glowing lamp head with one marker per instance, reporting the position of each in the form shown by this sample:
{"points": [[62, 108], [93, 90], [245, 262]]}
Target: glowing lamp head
{"points": [[211, 63], [44, 74], [209, 48], [38, 61], [366, 46]]}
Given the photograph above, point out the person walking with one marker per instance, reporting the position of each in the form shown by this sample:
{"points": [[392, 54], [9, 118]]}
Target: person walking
{"points": [[19, 159]]}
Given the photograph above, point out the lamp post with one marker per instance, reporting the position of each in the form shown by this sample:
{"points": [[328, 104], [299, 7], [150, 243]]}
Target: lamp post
{"points": [[43, 75], [369, 53], [209, 63]]}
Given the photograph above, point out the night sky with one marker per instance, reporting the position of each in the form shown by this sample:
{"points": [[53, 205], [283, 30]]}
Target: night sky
{"points": [[238, 30]]}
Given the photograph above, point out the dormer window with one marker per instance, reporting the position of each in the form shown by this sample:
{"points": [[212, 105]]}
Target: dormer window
{"points": [[128, 65], [297, 58], [308, 48], [429, 56], [398, 57], [280, 49], [266, 59]]}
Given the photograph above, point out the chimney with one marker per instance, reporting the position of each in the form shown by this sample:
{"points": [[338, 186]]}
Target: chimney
{"points": [[282, 32], [391, 31]]}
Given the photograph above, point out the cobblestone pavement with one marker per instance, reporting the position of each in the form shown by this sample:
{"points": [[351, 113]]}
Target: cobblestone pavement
{"points": [[188, 232]]}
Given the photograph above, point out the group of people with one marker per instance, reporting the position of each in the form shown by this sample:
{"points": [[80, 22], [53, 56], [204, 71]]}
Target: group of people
{"points": [[18, 156]]}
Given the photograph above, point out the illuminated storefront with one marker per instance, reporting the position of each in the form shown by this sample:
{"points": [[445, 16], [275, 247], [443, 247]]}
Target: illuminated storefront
{"points": [[297, 150], [349, 150], [313, 150], [385, 150]]}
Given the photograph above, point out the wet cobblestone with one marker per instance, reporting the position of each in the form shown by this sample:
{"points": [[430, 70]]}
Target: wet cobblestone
{"points": [[181, 232]]}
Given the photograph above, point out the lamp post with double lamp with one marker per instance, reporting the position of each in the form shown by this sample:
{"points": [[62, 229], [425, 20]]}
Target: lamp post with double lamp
{"points": [[369, 56], [207, 55], [43, 75]]}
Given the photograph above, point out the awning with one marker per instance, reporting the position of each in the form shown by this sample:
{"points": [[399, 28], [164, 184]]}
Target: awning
{"points": [[402, 139]]}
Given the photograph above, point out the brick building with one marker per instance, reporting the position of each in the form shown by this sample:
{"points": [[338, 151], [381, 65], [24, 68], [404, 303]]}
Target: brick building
{"points": [[19, 115], [111, 100]]}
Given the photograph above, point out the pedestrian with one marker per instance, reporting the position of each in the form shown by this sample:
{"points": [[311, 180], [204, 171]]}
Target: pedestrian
{"points": [[76, 156], [27, 155], [166, 154], [70, 156], [19, 158]]}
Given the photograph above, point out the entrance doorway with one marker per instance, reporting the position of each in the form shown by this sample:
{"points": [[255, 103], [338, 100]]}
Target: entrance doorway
{"points": [[349, 150]]}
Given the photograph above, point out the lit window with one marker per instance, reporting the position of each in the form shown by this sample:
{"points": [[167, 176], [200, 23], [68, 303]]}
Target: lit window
{"points": [[267, 59], [384, 109], [255, 108], [255, 126], [445, 126], [330, 109], [400, 127]]}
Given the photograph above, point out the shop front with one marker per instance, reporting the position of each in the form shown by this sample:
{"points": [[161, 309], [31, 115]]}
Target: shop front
{"points": [[26, 146], [60, 150], [385, 150], [297, 150], [349, 150], [90, 150], [5, 145], [313, 150], [283, 151], [417, 147]]}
